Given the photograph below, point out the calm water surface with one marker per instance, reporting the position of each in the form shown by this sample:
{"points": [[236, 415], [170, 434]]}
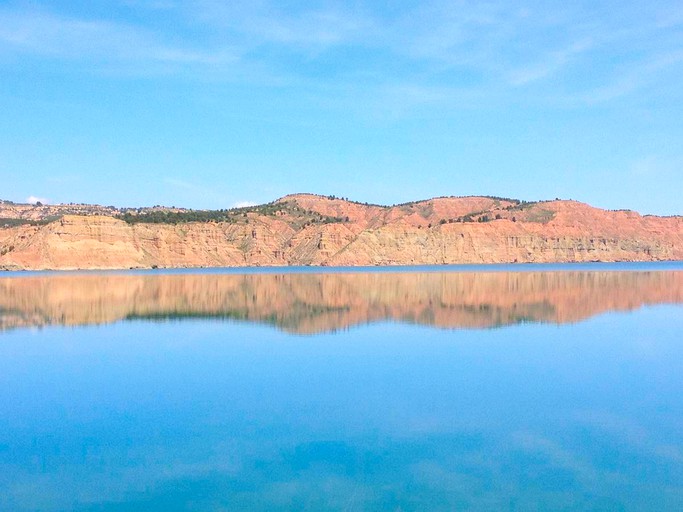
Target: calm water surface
{"points": [[551, 388]]}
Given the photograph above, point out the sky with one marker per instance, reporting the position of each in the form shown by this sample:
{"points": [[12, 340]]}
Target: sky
{"points": [[214, 104]]}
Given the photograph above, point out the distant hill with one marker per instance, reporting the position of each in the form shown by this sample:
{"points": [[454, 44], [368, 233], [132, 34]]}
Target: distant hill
{"points": [[307, 229]]}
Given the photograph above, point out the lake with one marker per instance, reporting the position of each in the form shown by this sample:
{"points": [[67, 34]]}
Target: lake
{"points": [[526, 387]]}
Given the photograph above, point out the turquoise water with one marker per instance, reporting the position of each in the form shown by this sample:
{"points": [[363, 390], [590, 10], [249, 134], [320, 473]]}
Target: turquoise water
{"points": [[349, 404]]}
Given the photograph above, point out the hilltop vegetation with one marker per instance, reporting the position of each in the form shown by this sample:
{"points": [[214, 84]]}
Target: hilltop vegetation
{"points": [[299, 210], [289, 211]]}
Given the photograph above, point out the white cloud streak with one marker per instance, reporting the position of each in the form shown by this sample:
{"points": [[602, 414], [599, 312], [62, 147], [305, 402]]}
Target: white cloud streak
{"points": [[259, 23], [244, 204], [36, 199], [61, 37], [494, 47], [550, 64]]}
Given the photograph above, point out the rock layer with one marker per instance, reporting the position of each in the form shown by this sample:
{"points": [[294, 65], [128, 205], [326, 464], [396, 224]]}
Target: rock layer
{"points": [[437, 231]]}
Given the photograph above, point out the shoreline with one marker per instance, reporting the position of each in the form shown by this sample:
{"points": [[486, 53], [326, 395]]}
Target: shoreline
{"points": [[325, 269]]}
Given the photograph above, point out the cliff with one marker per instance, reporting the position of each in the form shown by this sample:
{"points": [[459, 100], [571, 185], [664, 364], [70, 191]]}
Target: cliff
{"points": [[305, 229]]}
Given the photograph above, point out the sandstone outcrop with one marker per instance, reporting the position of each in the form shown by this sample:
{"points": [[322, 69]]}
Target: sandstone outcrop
{"points": [[305, 229]]}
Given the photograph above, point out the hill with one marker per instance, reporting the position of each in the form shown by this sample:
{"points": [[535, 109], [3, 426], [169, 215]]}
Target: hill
{"points": [[307, 229]]}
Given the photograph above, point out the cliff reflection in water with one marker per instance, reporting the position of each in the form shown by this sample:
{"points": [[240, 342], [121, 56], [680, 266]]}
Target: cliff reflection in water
{"points": [[311, 303]]}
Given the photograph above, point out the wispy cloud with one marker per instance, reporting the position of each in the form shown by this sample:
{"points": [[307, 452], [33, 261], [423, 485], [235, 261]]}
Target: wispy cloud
{"points": [[440, 48], [551, 63], [264, 23], [50, 35], [244, 204], [188, 192], [36, 199], [186, 185], [638, 75], [155, 5], [655, 166]]}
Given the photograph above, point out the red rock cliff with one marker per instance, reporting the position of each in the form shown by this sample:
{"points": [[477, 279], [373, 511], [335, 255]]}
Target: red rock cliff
{"points": [[306, 229]]}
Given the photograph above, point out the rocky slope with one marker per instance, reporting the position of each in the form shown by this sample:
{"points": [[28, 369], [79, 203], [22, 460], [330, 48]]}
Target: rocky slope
{"points": [[306, 229]]}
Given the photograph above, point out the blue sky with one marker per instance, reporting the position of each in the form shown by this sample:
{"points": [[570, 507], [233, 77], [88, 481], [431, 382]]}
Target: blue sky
{"points": [[211, 104]]}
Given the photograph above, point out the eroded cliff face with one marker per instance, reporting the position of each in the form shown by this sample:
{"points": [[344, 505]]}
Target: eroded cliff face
{"points": [[438, 231], [310, 303]]}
